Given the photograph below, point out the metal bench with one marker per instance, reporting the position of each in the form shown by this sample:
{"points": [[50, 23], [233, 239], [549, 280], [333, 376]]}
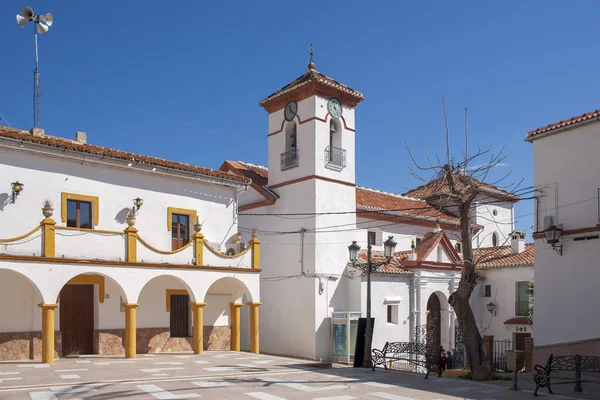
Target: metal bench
{"points": [[414, 353], [576, 363]]}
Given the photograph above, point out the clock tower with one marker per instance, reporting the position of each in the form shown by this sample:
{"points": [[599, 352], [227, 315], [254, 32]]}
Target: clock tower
{"points": [[311, 169]]}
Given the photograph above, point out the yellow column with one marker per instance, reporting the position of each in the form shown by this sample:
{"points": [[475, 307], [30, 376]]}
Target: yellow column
{"points": [[47, 332], [199, 248], [130, 330], [48, 234], [198, 321], [234, 319], [131, 253], [254, 337], [255, 243]]}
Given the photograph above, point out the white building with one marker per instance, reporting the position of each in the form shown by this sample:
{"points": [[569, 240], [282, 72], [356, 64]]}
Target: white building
{"points": [[566, 281], [94, 275], [501, 299], [308, 209]]}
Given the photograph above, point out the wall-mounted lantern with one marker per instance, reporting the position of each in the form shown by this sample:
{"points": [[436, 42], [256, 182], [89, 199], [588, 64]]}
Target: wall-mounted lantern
{"points": [[17, 188], [491, 307], [552, 234], [137, 204]]}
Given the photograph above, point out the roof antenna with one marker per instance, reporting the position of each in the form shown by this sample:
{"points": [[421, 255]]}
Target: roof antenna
{"points": [[311, 64], [41, 23]]}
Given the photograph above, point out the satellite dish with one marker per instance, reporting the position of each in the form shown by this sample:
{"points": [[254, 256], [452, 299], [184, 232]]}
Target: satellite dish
{"points": [[27, 12], [47, 19], [42, 29], [22, 20]]}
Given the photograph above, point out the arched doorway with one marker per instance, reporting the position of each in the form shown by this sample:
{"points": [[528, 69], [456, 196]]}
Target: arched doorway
{"points": [[434, 329]]}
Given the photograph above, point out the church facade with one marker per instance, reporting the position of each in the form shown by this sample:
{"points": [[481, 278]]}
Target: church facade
{"points": [[308, 209]]}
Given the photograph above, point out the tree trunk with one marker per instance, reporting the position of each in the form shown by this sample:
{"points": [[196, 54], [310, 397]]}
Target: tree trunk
{"points": [[459, 300]]}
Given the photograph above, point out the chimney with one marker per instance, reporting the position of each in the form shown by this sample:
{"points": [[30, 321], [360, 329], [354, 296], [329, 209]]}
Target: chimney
{"points": [[517, 242], [81, 137], [39, 132]]}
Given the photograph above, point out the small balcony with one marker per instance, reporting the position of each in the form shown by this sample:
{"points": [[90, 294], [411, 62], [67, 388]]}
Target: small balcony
{"points": [[289, 159], [335, 158]]}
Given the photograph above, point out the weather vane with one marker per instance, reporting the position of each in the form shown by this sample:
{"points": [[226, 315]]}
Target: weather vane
{"points": [[311, 64]]}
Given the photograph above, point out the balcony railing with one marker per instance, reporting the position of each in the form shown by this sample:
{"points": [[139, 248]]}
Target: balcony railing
{"points": [[521, 308], [289, 159], [335, 158]]}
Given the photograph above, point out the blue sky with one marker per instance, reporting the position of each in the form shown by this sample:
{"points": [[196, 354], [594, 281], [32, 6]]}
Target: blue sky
{"points": [[182, 79]]}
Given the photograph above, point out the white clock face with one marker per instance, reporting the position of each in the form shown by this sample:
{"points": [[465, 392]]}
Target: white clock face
{"points": [[290, 110], [334, 107]]}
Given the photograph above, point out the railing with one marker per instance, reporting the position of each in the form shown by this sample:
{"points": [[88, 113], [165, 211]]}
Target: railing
{"points": [[335, 157], [521, 308], [289, 159], [50, 241], [499, 357]]}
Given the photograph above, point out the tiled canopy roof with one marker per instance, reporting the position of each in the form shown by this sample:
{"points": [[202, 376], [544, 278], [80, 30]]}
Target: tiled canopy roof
{"points": [[52, 141], [402, 205], [313, 76], [589, 116], [439, 187], [366, 199], [518, 321], [503, 256]]}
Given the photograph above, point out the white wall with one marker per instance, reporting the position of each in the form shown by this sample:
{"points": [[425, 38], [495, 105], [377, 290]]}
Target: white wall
{"points": [[388, 287], [501, 223], [46, 177], [566, 293], [18, 304], [503, 284]]}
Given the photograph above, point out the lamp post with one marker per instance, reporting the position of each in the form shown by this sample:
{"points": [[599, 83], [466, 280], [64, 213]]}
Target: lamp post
{"points": [[389, 247]]}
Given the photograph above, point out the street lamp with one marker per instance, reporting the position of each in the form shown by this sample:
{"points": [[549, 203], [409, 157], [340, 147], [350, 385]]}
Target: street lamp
{"points": [[553, 237], [389, 248]]}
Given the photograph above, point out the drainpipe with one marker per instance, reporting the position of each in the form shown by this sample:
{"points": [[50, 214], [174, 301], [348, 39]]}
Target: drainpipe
{"points": [[411, 307]]}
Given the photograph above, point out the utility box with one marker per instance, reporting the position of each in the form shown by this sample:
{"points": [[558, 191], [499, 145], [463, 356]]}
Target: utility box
{"points": [[515, 360]]}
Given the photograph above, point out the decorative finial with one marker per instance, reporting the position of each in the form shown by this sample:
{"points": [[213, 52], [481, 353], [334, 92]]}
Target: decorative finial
{"points": [[311, 64], [254, 233], [412, 244]]}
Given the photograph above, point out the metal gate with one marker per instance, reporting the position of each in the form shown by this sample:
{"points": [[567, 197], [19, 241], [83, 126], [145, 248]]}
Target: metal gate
{"points": [[499, 358], [459, 346]]}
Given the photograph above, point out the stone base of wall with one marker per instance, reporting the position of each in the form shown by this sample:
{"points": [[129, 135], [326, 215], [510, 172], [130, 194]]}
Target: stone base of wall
{"points": [[158, 340], [589, 347], [26, 345], [110, 342]]}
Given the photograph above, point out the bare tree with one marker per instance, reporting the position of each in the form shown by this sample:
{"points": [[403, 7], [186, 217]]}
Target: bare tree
{"points": [[459, 185]]}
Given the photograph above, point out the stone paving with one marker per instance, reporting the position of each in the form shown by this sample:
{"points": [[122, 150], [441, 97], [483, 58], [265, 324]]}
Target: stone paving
{"points": [[229, 375]]}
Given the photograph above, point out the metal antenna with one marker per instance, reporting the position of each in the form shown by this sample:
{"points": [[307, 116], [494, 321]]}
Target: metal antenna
{"points": [[41, 23], [466, 140]]}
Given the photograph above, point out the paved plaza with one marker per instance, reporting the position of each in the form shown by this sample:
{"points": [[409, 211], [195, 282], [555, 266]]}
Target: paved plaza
{"points": [[228, 375]]}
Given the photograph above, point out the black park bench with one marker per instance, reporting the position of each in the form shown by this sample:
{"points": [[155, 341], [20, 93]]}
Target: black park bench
{"points": [[578, 364], [411, 352]]}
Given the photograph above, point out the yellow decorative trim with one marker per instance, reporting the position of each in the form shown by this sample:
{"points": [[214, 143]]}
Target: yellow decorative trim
{"points": [[47, 332], [184, 211], [70, 228], [173, 291], [254, 327], [255, 244], [198, 248], [198, 322], [130, 329], [148, 245], [14, 239], [221, 255], [131, 244], [48, 237], [90, 280], [64, 196], [234, 319]]}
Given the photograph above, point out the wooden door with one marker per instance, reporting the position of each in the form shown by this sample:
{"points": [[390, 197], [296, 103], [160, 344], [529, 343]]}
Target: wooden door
{"points": [[77, 319]]}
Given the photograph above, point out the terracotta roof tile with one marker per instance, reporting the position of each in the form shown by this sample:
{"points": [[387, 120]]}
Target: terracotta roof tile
{"points": [[371, 199], [503, 256], [440, 187], [589, 116], [518, 321], [311, 76], [393, 268], [52, 141], [257, 173]]}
